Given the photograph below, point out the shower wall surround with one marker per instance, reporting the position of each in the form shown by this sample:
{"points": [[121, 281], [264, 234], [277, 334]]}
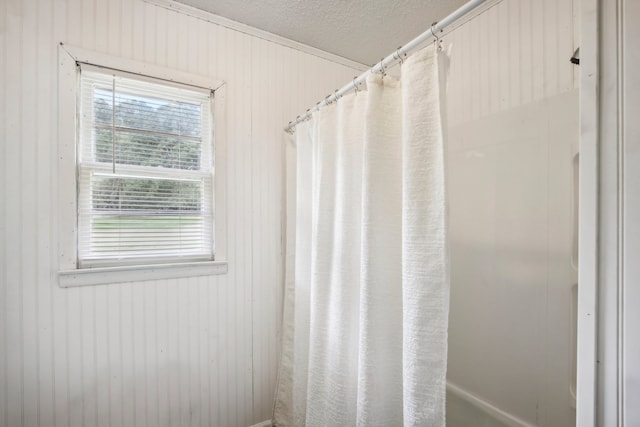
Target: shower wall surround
{"points": [[513, 141]]}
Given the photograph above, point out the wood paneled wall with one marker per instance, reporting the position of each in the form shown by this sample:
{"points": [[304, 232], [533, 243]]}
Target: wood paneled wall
{"points": [[515, 53], [180, 352]]}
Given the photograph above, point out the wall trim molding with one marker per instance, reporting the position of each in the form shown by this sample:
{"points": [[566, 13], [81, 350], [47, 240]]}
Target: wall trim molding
{"points": [[255, 32], [588, 403]]}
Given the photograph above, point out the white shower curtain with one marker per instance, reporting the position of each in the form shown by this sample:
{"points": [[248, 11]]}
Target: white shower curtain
{"points": [[367, 290]]}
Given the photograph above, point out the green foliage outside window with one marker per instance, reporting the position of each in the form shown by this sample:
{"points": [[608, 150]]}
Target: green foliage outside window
{"points": [[149, 132]]}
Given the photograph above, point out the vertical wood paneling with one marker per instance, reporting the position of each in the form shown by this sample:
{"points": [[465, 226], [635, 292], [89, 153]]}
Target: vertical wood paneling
{"points": [[28, 310], [538, 51], [527, 47], [191, 352], [502, 46], [124, 25], [13, 325], [514, 53], [45, 113]]}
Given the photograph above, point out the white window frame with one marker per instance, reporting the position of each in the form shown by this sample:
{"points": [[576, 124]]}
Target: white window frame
{"points": [[69, 273]]}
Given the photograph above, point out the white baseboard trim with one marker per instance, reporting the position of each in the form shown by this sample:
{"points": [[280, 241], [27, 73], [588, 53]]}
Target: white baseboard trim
{"points": [[483, 405], [266, 423]]}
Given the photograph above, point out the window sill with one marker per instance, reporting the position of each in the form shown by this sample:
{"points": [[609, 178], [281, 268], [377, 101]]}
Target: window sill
{"points": [[137, 273]]}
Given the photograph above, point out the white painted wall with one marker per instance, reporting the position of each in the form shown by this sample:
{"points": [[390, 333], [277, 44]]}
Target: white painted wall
{"points": [[513, 116], [198, 351], [631, 216]]}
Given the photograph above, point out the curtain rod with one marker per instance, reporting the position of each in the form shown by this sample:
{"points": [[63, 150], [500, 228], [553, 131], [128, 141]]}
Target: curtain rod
{"points": [[391, 59]]}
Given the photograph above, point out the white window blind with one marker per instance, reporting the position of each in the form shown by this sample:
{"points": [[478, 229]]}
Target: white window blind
{"points": [[145, 171]]}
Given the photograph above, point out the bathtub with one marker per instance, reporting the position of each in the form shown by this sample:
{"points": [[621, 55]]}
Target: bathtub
{"points": [[466, 410]]}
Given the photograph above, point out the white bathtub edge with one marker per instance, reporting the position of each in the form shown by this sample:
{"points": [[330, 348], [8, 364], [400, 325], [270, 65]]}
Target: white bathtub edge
{"points": [[483, 405], [488, 408]]}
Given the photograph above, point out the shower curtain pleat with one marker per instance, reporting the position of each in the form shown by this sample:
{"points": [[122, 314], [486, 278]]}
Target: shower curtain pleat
{"points": [[366, 303], [380, 361], [425, 261], [302, 272], [335, 265]]}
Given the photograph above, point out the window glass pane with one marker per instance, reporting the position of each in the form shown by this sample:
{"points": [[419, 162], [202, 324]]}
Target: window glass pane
{"points": [[146, 195], [145, 149], [118, 236], [154, 114], [149, 131], [132, 216], [145, 171], [102, 107], [104, 145]]}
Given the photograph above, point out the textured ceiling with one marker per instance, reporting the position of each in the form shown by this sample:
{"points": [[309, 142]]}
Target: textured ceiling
{"points": [[360, 30]]}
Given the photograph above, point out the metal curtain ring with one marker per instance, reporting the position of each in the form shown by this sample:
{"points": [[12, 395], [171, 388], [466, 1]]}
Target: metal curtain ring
{"points": [[433, 33]]}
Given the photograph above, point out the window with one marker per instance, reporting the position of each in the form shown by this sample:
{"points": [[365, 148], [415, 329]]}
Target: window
{"points": [[140, 176], [145, 171]]}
